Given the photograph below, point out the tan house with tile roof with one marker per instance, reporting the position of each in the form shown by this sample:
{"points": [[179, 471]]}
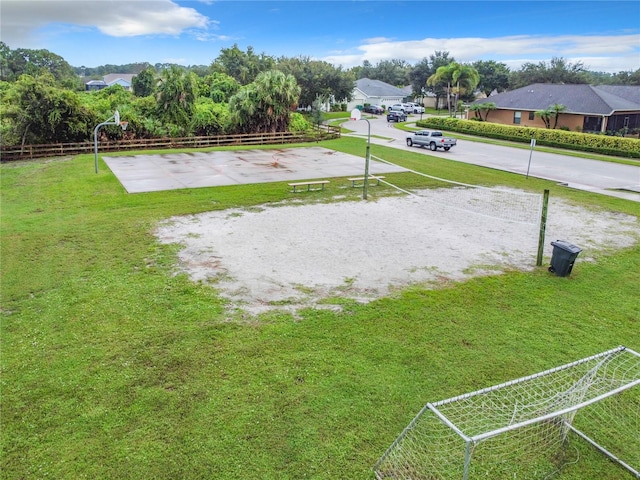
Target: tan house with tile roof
{"points": [[588, 108]]}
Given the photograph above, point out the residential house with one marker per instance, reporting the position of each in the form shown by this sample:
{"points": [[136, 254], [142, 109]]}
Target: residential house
{"points": [[123, 79], [375, 92], [427, 99], [588, 108], [93, 85]]}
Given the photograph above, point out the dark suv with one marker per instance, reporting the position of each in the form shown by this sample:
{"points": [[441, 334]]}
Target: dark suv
{"points": [[373, 109], [395, 116]]}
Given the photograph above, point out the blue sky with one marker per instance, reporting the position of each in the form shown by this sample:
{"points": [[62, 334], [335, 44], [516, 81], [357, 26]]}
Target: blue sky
{"points": [[603, 35]]}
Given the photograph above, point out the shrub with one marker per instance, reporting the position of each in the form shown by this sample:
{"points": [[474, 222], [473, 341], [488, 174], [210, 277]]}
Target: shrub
{"points": [[588, 142], [298, 123]]}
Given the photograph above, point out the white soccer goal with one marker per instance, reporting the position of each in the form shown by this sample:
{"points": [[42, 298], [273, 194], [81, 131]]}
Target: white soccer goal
{"points": [[520, 429]]}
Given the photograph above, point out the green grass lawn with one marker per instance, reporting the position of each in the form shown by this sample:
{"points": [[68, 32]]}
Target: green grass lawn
{"points": [[114, 367]]}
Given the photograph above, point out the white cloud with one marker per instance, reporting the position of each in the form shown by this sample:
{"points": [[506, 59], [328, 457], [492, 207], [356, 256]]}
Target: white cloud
{"points": [[602, 53], [211, 37], [377, 40], [22, 19]]}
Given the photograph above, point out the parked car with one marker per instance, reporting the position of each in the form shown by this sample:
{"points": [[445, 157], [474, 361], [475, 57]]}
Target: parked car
{"points": [[401, 107], [396, 116], [374, 109], [432, 139], [417, 108]]}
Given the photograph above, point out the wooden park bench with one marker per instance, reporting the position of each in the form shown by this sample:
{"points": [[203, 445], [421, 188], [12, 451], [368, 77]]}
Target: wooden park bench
{"points": [[361, 179], [308, 184]]}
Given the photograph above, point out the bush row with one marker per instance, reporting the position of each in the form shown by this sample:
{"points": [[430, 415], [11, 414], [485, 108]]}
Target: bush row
{"points": [[587, 142]]}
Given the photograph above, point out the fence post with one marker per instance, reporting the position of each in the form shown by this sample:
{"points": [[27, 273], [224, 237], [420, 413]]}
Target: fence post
{"points": [[543, 227]]}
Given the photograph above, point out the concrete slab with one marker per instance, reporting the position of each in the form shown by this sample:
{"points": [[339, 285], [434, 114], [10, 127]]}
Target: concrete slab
{"points": [[171, 171]]}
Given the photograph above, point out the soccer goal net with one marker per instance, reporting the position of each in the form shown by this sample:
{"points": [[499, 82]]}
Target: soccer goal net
{"points": [[520, 429]]}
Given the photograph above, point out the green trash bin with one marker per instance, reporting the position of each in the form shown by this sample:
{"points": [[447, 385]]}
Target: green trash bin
{"points": [[563, 257]]}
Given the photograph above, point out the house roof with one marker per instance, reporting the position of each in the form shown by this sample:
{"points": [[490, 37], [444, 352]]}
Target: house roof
{"points": [[578, 99], [408, 90], [114, 77], [377, 88]]}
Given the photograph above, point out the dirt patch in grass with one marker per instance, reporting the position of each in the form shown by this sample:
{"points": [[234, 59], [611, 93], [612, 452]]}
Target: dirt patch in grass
{"points": [[291, 256]]}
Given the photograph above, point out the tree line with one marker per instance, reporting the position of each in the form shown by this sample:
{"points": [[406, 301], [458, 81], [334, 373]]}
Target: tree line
{"points": [[42, 97]]}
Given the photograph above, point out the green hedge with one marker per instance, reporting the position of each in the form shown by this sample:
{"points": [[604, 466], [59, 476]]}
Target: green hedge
{"points": [[587, 142]]}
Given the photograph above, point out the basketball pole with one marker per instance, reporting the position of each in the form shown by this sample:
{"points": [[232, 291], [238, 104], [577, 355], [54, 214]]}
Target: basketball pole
{"points": [[355, 116], [116, 121], [366, 163]]}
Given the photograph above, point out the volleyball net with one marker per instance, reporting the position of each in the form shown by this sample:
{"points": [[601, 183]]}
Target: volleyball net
{"points": [[501, 203]]}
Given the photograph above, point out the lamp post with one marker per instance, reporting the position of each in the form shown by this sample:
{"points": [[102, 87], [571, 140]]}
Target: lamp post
{"points": [[355, 116], [116, 121]]}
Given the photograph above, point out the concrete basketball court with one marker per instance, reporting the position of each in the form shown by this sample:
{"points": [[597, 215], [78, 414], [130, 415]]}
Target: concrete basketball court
{"points": [[172, 171]]}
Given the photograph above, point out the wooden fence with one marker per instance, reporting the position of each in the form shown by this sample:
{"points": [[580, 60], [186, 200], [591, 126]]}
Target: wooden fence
{"points": [[10, 153]]}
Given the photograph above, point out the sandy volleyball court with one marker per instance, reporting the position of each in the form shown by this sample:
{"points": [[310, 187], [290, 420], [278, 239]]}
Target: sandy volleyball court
{"points": [[292, 256]]}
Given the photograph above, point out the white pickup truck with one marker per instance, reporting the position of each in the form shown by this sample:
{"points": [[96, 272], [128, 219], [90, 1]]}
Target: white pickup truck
{"points": [[432, 139]]}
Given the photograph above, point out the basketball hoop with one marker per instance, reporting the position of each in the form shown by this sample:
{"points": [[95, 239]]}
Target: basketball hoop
{"points": [[116, 121], [356, 114]]}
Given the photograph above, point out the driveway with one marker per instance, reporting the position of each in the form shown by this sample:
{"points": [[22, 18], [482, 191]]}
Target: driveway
{"points": [[607, 178]]}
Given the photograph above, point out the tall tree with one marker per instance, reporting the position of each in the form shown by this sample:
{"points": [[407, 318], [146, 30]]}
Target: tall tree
{"points": [[419, 74], [558, 70], [394, 72], [144, 84], [243, 66], [466, 80], [363, 71], [265, 104], [220, 87], [5, 71], [39, 111], [317, 79], [458, 79], [627, 77], [493, 76], [176, 96], [562, 71], [436, 60], [34, 63], [243, 109]]}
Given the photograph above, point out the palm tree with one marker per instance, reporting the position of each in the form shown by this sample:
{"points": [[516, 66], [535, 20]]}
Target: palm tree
{"points": [[265, 104], [479, 108], [466, 79], [458, 79], [545, 116], [176, 96], [443, 76], [277, 93], [552, 111], [556, 109], [242, 110]]}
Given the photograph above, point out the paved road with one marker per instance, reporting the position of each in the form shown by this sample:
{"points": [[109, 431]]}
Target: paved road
{"points": [[607, 178]]}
